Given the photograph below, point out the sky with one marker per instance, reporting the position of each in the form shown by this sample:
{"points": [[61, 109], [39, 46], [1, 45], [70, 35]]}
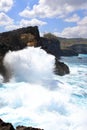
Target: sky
{"points": [[63, 18]]}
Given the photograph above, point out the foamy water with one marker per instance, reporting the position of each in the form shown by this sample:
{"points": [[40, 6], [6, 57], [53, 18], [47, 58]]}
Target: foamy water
{"points": [[36, 97]]}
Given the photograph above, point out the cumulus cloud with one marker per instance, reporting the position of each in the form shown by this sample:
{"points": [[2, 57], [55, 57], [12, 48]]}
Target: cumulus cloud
{"points": [[11, 27], [83, 21], [49, 9], [5, 20], [6, 5], [24, 23], [74, 18], [80, 30], [32, 22]]}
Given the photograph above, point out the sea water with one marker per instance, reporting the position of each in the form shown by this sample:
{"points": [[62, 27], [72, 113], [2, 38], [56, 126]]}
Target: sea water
{"points": [[35, 96]]}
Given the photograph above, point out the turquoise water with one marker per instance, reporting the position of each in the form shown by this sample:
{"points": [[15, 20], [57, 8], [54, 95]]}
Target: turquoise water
{"points": [[36, 97]]}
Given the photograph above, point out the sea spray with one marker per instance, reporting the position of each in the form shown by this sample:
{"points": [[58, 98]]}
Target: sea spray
{"points": [[30, 64], [35, 96]]}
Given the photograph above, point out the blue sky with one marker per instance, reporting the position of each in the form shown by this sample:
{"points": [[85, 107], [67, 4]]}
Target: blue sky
{"points": [[64, 18]]}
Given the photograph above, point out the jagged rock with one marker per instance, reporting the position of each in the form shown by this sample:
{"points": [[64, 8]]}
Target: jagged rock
{"points": [[61, 68], [18, 39], [9, 126], [51, 46], [29, 36]]}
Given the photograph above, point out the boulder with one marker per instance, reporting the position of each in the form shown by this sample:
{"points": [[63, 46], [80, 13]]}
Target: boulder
{"points": [[61, 68]]}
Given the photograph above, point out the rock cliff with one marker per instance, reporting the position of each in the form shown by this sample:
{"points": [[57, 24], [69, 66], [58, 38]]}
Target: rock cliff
{"points": [[29, 36], [79, 48], [51, 45]]}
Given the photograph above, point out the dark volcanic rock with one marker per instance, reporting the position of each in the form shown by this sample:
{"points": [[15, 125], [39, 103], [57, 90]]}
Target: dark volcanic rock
{"points": [[69, 52], [9, 126], [18, 39], [52, 46], [61, 68], [79, 48], [29, 36]]}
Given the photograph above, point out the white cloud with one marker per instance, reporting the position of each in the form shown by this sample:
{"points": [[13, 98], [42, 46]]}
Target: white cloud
{"points": [[24, 23], [83, 21], [6, 5], [5, 20], [50, 8], [74, 18], [11, 27], [32, 22], [77, 31]]}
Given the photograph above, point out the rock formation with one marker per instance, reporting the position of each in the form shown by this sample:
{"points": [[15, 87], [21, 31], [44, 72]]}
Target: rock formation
{"points": [[18, 39], [29, 36], [61, 68], [69, 52], [9, 126], [79, 48], [51, 46]]}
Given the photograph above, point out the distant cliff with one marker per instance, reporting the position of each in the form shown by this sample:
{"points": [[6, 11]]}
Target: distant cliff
{"points": [[79, 48], [70, 46]]}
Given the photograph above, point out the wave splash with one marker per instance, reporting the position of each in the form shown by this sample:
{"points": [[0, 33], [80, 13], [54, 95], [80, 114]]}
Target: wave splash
{"points": [[35, 96], [30, 64]]}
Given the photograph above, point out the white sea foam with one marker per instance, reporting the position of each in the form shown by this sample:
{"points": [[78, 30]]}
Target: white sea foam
{"points": [[31, 64], [36, 97]]}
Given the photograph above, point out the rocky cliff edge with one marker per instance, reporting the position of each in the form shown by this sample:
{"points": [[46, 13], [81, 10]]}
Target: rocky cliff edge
{"points": [[29, 36]]}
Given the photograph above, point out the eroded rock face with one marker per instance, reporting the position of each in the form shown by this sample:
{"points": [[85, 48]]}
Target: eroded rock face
{"points": [[51, 46], [18, 39], [9, 126]]}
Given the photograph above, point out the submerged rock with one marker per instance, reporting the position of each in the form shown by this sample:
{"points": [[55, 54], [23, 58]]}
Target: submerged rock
{"points": [[9, 126]]}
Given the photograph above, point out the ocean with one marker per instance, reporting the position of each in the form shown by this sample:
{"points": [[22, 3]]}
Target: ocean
{"points": [[35, 96]]}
